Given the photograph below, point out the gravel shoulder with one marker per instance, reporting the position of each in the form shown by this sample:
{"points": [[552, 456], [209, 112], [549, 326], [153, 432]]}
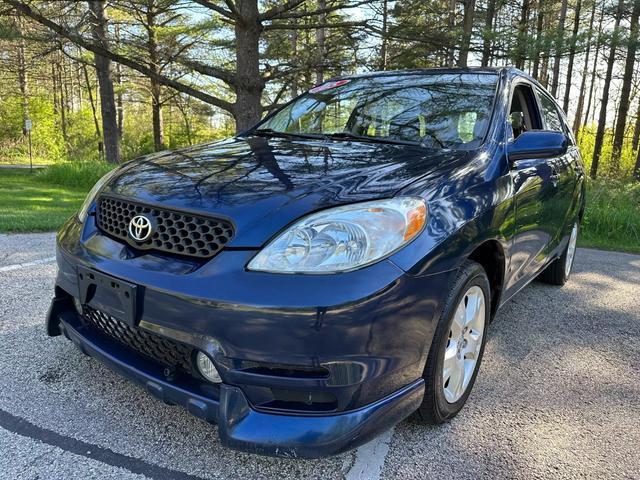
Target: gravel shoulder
{"points": [[558, 395]]}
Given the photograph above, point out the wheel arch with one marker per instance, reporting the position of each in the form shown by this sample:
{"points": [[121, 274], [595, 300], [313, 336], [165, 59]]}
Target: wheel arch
{"points": [[491, 255]]}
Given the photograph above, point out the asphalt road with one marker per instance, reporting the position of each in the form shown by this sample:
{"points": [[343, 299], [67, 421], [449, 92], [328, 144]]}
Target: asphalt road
{"points": [[558, 395]]}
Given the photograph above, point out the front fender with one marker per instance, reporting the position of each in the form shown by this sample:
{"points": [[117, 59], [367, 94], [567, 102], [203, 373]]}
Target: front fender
{"points": [[458, 225]]}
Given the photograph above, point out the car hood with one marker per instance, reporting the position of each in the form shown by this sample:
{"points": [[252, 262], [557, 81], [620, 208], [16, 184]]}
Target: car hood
{"points": [[263, 184]]}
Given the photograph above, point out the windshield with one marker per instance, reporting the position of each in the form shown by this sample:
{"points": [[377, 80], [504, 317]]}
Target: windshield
{"points": [[437, 110]]}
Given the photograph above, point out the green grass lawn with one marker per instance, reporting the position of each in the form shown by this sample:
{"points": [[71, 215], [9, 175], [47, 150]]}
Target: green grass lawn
{"points": [[42, 201], [29, 205]]}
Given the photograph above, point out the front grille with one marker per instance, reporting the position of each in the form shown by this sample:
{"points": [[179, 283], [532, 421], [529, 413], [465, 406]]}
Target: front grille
{"points": [[173, 231], [163, 350]]}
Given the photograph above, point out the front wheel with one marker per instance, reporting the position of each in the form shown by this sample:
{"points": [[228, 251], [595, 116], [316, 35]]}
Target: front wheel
{"points": [[557, 273], [456, 351]]}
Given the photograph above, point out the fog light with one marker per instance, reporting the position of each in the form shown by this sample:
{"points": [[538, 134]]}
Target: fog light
{"points": [[207, 368]]}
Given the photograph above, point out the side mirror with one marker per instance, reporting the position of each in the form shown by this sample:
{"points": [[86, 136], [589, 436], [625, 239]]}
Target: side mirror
{"points": [[537, 144]]}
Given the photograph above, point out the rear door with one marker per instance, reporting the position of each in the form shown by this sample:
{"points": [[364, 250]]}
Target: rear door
{"points": [[563, 177]]}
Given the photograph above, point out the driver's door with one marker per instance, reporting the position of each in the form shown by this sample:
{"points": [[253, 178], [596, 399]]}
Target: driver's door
{"points": [[535, 189], [564, 178]]}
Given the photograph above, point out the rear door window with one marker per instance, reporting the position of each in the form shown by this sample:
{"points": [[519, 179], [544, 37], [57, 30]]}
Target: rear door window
{"points": [[550, 114]]}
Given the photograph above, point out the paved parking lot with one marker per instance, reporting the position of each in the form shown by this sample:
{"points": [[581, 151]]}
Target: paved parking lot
{"points": [[558, 395]]}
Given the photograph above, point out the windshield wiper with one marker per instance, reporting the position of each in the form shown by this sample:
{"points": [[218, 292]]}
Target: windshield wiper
{"points": [[433, 136], [367, 138], [277, 133], [270, 132]]}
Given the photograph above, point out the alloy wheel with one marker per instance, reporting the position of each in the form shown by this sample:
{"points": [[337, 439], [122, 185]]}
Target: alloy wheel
{"points": [[571, 250], [464, 343]]}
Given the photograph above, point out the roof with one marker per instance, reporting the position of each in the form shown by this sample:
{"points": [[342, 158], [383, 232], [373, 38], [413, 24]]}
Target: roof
{"points": [[428, 71], [511, 71]]}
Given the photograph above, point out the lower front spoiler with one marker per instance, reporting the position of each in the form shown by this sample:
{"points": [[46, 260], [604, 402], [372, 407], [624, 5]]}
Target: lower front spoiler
{"points": [[243, 428]]}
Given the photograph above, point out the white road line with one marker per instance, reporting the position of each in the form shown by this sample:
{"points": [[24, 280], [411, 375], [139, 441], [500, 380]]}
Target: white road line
{"points": [[370, 458], [20, 266]]}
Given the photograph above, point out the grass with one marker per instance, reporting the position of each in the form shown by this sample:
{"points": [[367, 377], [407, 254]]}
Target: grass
{"points": [[42, 201], [25, 161], [612, 216], [79, 175], [29, 205]]}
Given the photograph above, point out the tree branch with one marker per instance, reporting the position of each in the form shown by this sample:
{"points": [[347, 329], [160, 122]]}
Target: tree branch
{"points": [[315, 26], [226, 76], [233, 9], [279, 10], [320, 11], [217, 9], [276, 101], [99, 50]]}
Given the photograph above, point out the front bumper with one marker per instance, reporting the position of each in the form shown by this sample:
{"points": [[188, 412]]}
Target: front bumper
{"points": [[369, 330], [239, 425]]}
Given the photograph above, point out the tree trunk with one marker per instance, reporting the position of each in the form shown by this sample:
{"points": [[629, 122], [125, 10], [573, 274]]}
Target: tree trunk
{"points": [[539, 27], [572, 54], [385, 40], [546, 51], [91, 101], [68, 101], [23, 82], [583, 84], [467, 28], [78, 78], [321, 34], [105, 83], [54, 78], [156, 89], [119, 105], [63, 103], [636, 169], [636, 130], [452, 25], [249, 84], [595, 66], [187, 124], [625, 92], [602, 120], [544, 69], [488, 33], [558, 48], [294, 52], [521, 49], [156, 112]]}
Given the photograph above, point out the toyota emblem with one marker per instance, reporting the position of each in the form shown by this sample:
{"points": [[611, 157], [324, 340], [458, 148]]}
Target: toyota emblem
{"points": [[140, 228]]}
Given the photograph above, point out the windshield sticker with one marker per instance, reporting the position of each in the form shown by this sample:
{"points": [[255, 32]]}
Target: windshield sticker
{"points": [[328, 86]]}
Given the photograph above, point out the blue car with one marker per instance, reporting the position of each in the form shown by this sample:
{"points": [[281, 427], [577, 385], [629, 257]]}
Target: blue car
{"points": [[326, 274]]}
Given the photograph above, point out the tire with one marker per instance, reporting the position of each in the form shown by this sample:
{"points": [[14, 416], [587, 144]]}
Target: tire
{"points": [[439, 403], [558, 271]]}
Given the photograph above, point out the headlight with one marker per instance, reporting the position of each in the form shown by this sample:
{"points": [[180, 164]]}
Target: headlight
{"points": [[84, 209], [344, 238]]}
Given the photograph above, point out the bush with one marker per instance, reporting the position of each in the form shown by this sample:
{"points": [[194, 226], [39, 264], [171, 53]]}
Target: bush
{"points": [[622, 167], [76, 175], [46, 138], [82, 143]]}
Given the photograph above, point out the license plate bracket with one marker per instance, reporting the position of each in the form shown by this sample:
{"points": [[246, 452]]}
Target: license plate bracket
{"points": [[110, 295]]}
